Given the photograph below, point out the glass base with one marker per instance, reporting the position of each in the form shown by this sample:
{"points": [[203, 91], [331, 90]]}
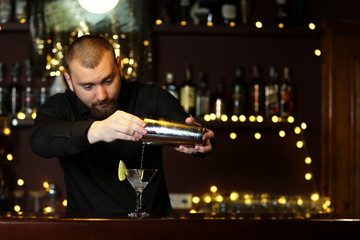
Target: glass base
{"points": [[139, 214]]}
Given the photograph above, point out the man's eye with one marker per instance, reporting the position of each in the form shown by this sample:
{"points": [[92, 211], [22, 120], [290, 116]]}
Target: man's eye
{"points": [[87, 87], [109, 81]]}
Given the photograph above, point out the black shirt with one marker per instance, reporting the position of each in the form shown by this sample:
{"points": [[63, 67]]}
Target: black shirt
{"points": [[91, 170]]}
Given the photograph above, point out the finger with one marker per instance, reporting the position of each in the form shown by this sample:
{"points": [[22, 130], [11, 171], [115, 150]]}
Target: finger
{"points": [[132, 118], [190, 120]]}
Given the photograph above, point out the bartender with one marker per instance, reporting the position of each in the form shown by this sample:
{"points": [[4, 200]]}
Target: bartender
{"points": [[96, 123]]}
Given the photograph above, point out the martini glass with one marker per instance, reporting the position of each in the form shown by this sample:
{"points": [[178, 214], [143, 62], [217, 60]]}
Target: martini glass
{"points": [[139, 178]]}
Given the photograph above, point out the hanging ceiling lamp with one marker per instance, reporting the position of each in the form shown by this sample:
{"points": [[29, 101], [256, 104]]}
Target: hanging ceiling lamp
{"points": [[98, 7]]}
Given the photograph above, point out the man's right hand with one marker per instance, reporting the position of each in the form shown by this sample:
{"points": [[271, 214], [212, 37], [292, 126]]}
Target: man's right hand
{"points": [[120, 125]]}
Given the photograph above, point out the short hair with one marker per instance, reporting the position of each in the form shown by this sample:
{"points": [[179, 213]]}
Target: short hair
{"points": [[89, 50]]}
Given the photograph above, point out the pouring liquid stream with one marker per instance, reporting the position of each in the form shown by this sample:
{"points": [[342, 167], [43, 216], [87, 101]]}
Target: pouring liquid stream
{"points": [[142, 156]]}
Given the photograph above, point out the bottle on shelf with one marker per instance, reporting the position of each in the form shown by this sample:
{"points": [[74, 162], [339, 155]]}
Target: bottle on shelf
{"points": [[238, 92], [14, 91], [282, 16], [229, 9], [220, 99], [20, 13], [256, 93], [2, 90], [286, 95], [6, 7], [187, 92], [184, 12], [164, 12], [170, 85], [29, 100], [43, 92], [202, 12], [202, 96], [272, 103]]}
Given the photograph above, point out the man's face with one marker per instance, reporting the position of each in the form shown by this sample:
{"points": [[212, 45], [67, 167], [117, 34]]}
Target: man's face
{"points": [[98, 88]]}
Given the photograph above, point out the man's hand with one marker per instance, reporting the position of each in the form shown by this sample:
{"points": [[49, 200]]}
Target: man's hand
{"points": [[207, 148], [120, 125]]}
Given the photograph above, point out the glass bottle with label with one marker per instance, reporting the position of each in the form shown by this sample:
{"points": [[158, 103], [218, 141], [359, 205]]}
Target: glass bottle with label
{"points": [[256, 93], [220, 99], [170, 85], [272, 102], [14, 91], [29, 100], [202, 96], [6, 7], [187, 92], [43, 92], [238, 94], [287, 95], [229, 12]]}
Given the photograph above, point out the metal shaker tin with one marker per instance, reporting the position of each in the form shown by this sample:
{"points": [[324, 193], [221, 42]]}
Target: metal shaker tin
{"points": [[162, 132]]}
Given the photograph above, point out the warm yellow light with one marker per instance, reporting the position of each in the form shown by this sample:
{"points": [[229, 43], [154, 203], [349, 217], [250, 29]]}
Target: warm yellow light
{"points": [[224, 118], [183, 23], [258, 24], [21, 116], [158, 22], [232, 24], [315, 197], [46, 185], [252, 118], [196, 199], [9, 157], [242, 118], [209, 24], [146, 43], [17, 208], [297, 130], [65, 202], [234, 118], [282, 200], [299, 144], [299, 201], [47, 209], [257, 136], [303, 126], [212, 116], [312, 26], [20, 182], [219, 198], [234, 196], [98, 7], [213, 189], [259, 119], [308, 176], [308, 160], [275, 119], [281, 25], [207, 117], [282, 133], [207, 199], [317, 52], [192, 211], [233, 135], [291, 119], [7, 131]]}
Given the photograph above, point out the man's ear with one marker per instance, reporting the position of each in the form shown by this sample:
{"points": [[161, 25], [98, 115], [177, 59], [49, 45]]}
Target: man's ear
{"points": [[69, 81], [118, 60]]}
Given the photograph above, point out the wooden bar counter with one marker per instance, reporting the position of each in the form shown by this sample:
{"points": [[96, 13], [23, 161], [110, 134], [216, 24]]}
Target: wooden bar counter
{"points": [[178, 226]]}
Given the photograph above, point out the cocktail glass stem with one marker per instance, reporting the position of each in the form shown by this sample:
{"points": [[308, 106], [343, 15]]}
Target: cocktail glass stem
{"points": [[138, 201]]}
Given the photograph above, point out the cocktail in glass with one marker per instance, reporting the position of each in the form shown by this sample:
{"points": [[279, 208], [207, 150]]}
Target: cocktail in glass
{"points": [[139, 178]]}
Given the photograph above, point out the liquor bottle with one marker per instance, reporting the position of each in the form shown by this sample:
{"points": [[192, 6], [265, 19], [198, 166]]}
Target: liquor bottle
{"points": [[256, 93], [282, 17], [187, 92], [170, 85], [43, 92], [287, 95], [202, 13], [6, 7], [184, 12], [164, 12], [220, 99], [229, 12], [272, 103], [14, 91], [20, 12], [2, 90], [238, 94], [29, 100], [202, 96]]}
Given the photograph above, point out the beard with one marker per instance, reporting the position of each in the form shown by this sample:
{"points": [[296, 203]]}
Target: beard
{"points": [[99, 112]]}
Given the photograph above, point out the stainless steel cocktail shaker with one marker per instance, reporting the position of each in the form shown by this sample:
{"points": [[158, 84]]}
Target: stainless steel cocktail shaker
{"points": [[164, 132]]}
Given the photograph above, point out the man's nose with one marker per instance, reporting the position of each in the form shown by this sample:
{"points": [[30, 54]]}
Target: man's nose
{"points": [[101, 93]]}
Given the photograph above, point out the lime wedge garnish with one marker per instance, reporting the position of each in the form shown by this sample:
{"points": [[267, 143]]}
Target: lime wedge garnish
{"points": [[122, 171]]}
